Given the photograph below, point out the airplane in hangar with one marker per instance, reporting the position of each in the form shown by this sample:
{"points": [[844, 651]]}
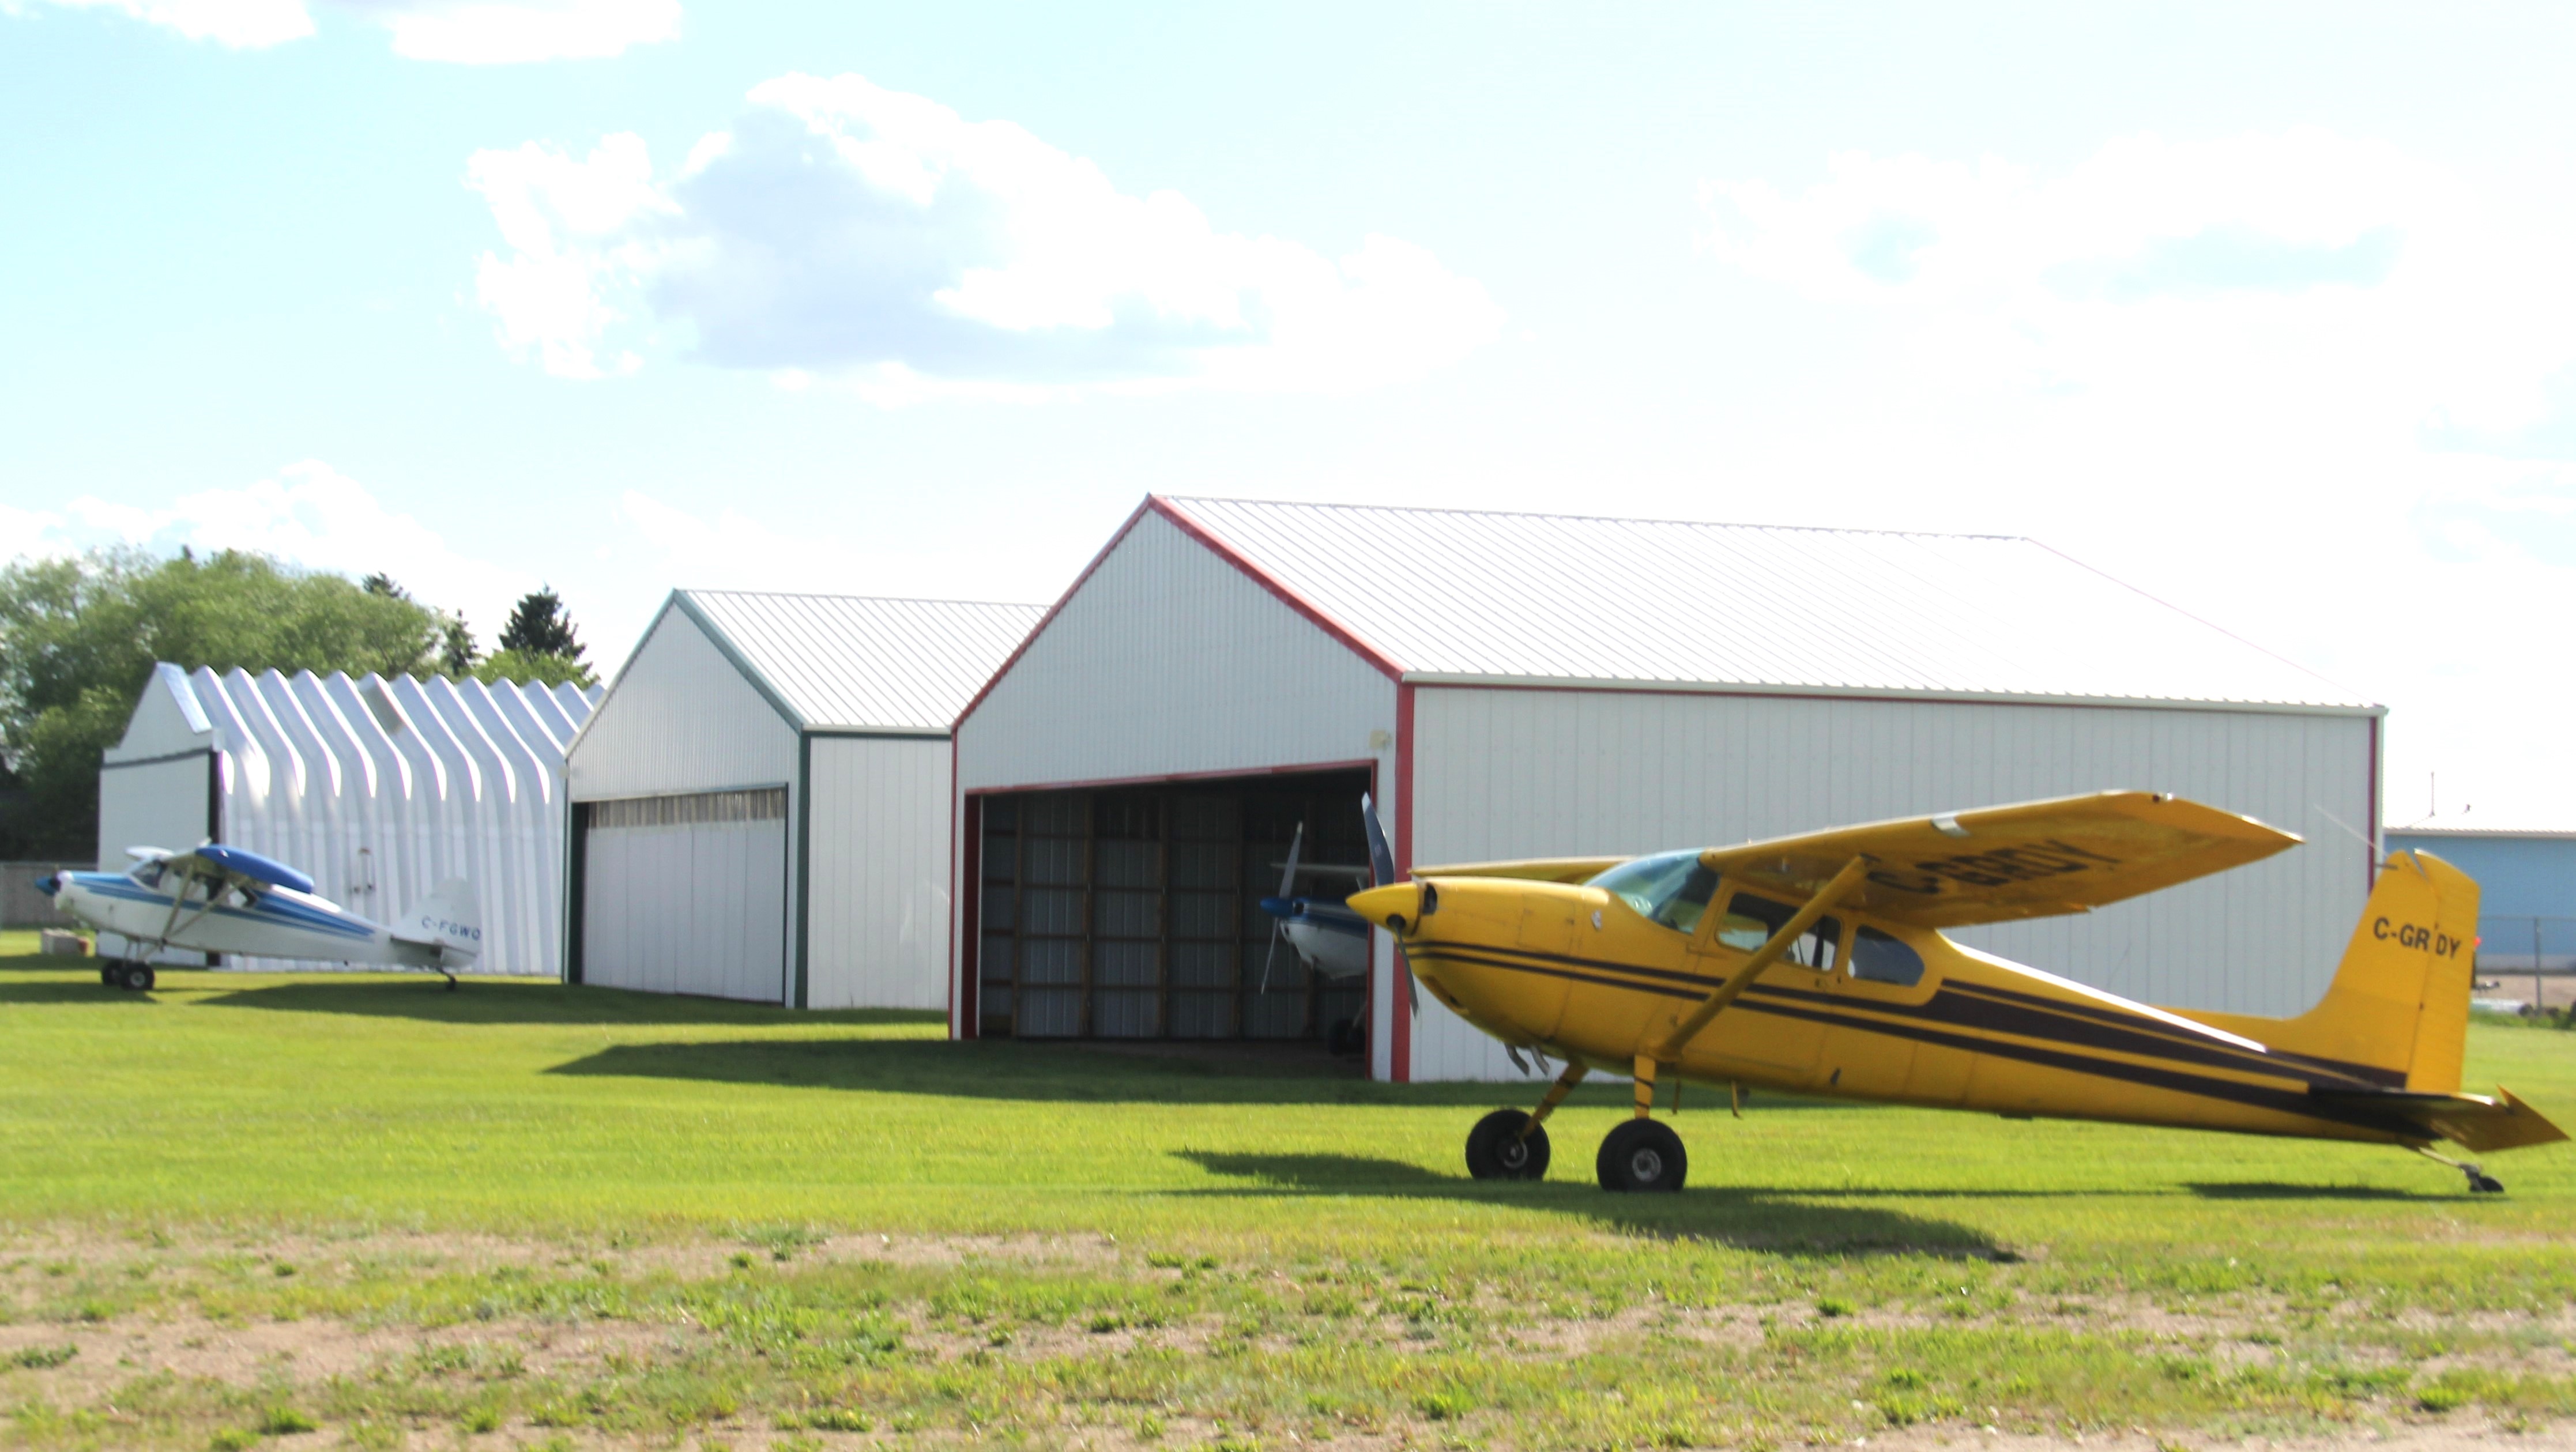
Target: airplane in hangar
{"points": [[1330, 939], [219, 899], [1817, 964]]}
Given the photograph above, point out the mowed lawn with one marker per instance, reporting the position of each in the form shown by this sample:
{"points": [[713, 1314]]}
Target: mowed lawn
{"points": [[1072, 1245]]}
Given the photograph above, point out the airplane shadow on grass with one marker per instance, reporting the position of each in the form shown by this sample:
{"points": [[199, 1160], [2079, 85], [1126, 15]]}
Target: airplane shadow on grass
{"points": [[486, 1001], [1766, 1218], [1035, 1072]]}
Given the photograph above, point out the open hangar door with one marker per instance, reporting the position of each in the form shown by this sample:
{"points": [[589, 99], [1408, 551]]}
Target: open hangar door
{"points": [[1134, 912], [685, 894]]}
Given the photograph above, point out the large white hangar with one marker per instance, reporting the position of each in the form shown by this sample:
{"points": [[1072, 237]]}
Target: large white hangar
{"points": [[760, 804], [379, 788], [1524, 685]]}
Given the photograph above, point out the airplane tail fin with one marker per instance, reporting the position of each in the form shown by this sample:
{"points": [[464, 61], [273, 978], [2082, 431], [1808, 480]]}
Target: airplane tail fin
{"points": [[2398, 1010], [449, 920]]}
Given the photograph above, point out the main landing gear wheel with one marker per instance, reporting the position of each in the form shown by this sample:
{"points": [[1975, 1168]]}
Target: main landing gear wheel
{"points": [[1642, 1155], [111, 975], [1497, 1150], [138, 977]]}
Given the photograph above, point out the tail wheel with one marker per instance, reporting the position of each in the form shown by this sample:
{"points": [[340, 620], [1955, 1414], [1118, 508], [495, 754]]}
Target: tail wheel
{"points": [[1642, 1154], [1497, 1150]]}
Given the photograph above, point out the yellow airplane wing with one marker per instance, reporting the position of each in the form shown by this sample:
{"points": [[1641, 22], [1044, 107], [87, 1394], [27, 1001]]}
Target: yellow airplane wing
{"points": [[1530, 869], [2000, 864]]}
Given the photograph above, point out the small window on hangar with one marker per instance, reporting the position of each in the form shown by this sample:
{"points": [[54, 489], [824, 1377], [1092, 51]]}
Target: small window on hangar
{"points": [[1135, 912]]}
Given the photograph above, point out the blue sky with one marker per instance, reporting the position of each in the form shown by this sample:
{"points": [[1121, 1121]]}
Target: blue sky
{"points": [[2267, 311]]}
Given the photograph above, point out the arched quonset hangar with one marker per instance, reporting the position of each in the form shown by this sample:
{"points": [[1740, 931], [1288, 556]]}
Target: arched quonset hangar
{"points": [[379, 788], [1525, 685], [760, 804]]}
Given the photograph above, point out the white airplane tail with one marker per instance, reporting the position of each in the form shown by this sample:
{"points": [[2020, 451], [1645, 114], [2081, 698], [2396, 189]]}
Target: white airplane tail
{"points": [[448, 920]]}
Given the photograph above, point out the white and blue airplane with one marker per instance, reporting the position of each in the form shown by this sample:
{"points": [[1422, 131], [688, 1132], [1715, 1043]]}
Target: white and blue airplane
{"points": [[219, 899], [1330, 939]]}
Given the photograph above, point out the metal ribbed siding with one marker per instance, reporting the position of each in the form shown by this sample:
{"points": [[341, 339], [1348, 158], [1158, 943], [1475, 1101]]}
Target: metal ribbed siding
{"points": [[681, 718], [858, 662], [1465, 593], [434, 778], [878, 924], [736, 689], [1168, 661], [1512, 773]]}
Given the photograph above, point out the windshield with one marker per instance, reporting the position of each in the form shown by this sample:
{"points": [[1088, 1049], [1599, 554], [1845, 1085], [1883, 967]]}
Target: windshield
{"points": [[1670, 888]]}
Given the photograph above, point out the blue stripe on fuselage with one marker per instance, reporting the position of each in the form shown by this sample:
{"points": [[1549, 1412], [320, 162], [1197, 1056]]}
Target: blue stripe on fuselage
{"points": [[268, 909]]}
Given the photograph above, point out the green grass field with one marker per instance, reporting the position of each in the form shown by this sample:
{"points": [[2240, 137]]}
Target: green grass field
{"points": [[521, 1215]]}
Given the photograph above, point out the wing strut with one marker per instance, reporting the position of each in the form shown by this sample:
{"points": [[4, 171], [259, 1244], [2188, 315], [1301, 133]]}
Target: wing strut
{"points": [[1742, 978]]}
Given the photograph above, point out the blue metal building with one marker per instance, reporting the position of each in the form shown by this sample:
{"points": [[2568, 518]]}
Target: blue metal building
{"points": [[2527, 880]]}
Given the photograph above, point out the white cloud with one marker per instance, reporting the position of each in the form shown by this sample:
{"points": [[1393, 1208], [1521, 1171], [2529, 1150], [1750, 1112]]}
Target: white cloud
{"points": [[847, 233], [241, 24], [529, 30], [2311, 386], [473, 32], [309, 514]]}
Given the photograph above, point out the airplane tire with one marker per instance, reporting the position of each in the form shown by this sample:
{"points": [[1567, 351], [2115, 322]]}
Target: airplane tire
{"points": [[1497, 1150], [111, 975], [2485, 1185], [1642, 1155], [138, 977]]}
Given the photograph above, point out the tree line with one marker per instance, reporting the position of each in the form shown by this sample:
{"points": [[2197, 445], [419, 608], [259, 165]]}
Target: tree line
{"points": [[79, 638]]}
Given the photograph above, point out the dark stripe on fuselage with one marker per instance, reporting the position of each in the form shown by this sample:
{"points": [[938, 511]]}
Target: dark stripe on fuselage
{"points": [[1976, 1006], [2371, 1074], [1954, 1003], [1784, 1003]]}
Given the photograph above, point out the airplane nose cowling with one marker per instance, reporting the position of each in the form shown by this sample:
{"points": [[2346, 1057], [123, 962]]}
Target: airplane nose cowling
{"points": [[1397, 908], [50, 883]]}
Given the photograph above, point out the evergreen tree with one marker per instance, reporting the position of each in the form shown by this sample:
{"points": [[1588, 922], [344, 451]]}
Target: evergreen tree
{"points": [[456, 652], [539, 625]]}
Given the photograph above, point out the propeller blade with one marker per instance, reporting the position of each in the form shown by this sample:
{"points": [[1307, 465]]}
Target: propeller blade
{"points": [[1288, 878], [1270, 957], [1381, 858]]}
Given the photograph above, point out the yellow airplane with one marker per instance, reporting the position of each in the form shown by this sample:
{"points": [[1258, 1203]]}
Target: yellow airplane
{"points": [[1825, 971]]}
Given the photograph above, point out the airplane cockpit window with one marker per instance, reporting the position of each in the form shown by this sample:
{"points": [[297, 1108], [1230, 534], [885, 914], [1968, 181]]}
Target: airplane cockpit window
{"points": [[146, 873], [1670, 888], [1881, 958], [1750, 921]]}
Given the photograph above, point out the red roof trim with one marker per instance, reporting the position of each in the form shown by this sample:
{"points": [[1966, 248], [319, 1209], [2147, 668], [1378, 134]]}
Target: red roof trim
{"points": [[1049, 617], [1287, 593]]}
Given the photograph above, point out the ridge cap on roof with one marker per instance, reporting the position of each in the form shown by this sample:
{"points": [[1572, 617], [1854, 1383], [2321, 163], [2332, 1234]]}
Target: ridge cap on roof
{"points": [[1591, 518], [695, 592]]}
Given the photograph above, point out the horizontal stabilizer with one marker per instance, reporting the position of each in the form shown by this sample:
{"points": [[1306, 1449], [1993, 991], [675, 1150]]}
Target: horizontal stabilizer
{"points": [[2472, 1120], [1530, 869], [2002, 864], [449, 920]]}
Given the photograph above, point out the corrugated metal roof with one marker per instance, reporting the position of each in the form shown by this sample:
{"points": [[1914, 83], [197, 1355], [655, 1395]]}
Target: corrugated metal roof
{"points": [[1444, 593], [853, 662]]}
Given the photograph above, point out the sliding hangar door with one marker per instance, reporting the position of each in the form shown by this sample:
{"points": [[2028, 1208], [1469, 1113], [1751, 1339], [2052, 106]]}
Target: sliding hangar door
{"points": [[687, 894], [1523, 686]]}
